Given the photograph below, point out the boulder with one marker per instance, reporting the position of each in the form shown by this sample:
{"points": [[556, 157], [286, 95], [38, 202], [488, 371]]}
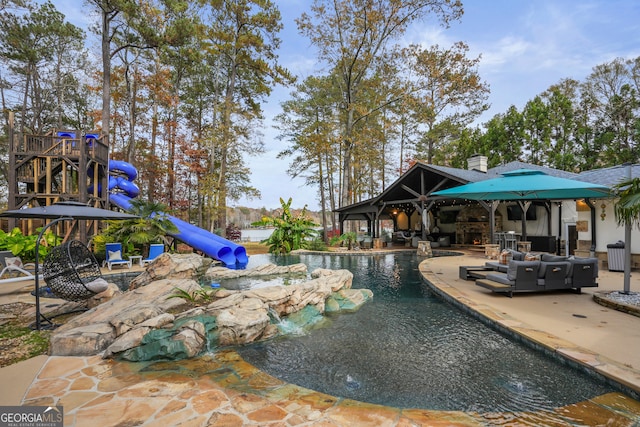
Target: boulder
{"points": [[220, 273], [241, 326], [172, 266], [153, 321], [193, 336], [126, 341], [87, 340]]}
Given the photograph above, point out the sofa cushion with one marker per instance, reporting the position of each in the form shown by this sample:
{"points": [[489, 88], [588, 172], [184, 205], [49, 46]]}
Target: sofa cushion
{"points": [[584, 263], [494, 265], [552, 258], [546, 265], [512, 270], [500, 278]]}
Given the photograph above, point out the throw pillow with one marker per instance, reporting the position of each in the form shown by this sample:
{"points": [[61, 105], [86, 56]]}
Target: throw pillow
{"points": [[530, 256], [115, 256], [505, 256], [98, 285], [15, 261]]}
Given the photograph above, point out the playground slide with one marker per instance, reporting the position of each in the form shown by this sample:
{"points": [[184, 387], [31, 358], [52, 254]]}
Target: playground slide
{"points": [[122, 190]]}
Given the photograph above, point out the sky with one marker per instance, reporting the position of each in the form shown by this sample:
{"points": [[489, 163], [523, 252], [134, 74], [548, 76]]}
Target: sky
{"points": [[525, 47]]}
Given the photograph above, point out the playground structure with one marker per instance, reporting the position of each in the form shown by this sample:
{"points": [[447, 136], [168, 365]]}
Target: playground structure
{"points": [[70, 165], [54, 167]]}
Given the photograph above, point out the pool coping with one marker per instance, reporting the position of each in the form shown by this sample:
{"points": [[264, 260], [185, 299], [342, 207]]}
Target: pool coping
{"points": [[619, 376]]}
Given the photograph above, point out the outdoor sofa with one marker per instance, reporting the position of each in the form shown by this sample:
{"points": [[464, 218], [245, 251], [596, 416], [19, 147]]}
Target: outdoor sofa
{"points": [[550, 272]]}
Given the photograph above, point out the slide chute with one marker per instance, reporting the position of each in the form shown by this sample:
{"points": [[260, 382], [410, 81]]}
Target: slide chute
{"points": [[122, 190]]}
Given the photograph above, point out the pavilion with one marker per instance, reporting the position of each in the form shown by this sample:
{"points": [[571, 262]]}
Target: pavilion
{"points": [[554, 225]]}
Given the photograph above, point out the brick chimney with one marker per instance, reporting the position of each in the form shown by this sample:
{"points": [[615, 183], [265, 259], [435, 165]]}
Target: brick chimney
{"points": [[477, 162]]}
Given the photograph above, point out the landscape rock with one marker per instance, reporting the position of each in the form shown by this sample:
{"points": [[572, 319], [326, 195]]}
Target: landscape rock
{"points": [[104, 296], [126, 341], [86, 340], [221, 273], [149, 322], [174, 266], [193, 336], [241, 326]]}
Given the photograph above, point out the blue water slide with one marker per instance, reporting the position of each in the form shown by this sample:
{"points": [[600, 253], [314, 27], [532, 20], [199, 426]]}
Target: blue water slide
{"points": [[209, 243]]}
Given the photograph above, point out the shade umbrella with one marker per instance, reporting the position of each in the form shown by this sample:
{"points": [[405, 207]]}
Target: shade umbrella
{"points": [[526, 184], [61, 211]]}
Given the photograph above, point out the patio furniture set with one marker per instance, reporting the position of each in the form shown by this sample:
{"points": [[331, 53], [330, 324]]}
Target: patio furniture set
{"points": [[520, 272], [113, 253]]}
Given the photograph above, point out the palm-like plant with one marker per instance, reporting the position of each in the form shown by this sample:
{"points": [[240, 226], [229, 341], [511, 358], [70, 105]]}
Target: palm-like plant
{"points": [[291, 232], [152, 226], [349, 238], [627, 209], [627, 213]]}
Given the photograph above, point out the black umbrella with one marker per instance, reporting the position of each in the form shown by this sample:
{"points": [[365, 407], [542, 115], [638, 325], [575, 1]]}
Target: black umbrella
{"points": [[71, 210], [61, 211]]}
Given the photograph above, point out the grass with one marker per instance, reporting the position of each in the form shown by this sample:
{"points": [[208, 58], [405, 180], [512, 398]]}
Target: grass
{"points": [[19, 342]]}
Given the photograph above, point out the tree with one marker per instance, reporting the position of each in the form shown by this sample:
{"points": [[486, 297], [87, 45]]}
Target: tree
{"points": [[560, 99], [503, 138], [446, 92], [290, 232], [308, 122], [537, 131], [612, 89], [242, 39], [152, 226], [125, 24], [350, 35], [44, 53]]}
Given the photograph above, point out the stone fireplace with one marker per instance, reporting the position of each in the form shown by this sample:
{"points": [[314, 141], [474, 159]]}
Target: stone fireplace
{"points": [[472, 226]]}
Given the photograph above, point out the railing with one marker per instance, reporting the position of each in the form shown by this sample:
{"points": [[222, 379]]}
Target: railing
{"points": [[51, 145]]}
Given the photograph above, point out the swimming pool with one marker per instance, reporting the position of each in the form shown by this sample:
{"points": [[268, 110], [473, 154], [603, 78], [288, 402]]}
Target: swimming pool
{"points": [[409, 349]]}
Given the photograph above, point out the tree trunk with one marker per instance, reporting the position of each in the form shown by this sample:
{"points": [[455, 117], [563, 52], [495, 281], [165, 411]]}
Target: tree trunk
{"points": [[106, 77]]}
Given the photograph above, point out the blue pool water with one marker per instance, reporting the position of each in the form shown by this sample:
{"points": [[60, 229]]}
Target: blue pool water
{"points": [[409, 349]]}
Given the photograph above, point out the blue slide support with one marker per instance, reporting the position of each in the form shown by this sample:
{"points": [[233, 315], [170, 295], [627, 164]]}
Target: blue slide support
{"points": [[122, 190]]}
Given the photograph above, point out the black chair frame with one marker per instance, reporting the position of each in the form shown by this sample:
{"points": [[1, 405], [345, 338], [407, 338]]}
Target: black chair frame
{"points": [[68, 268]]}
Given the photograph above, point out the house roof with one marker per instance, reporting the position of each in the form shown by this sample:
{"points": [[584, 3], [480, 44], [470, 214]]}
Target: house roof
{"points": [[417, 183], [511, 166], [609, 176]]}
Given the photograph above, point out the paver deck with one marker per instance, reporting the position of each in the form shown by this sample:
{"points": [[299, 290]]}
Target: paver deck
{"points": [[223, 390]]}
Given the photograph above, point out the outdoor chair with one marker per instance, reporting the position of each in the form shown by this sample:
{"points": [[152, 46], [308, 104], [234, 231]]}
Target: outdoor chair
{"points": [[510, 241], [113, 253], [72, 272], [155, 250], [12, 267]]}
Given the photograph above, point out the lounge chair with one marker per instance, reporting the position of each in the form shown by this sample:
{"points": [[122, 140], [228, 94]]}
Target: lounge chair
{"points": [[114, 256], [13, 268], [155, 250]]}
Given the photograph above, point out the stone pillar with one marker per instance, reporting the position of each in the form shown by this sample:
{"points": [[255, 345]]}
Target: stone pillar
{"points": [[377, 243], [424, 248]]}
